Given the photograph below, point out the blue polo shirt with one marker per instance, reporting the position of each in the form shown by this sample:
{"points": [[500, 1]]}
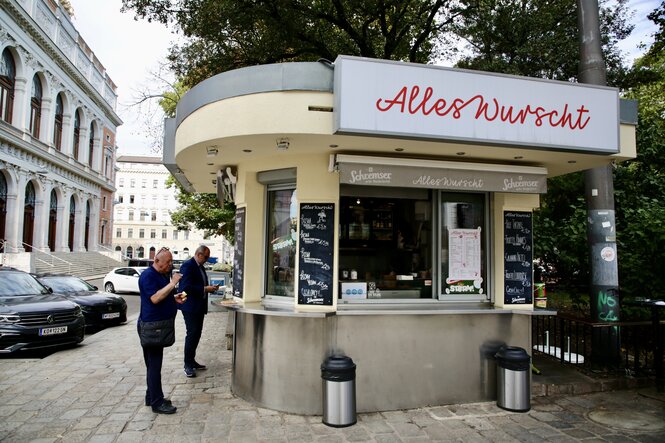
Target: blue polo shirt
{"points": [[151, 281]]}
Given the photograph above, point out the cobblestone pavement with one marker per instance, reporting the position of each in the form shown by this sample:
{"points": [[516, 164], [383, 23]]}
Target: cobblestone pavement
{"points": [[94, 393]]}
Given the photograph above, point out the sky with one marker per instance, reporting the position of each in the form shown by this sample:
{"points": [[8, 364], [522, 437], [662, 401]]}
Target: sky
{"points": [[131, 50]]}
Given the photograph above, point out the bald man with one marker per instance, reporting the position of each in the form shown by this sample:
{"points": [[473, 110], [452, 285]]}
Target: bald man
{"points": [[159, 301]]}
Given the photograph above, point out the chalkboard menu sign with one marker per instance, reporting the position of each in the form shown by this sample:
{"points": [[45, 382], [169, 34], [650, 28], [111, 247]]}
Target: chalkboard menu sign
{"points": [[518, 257], [239, 252], [315, 258]]}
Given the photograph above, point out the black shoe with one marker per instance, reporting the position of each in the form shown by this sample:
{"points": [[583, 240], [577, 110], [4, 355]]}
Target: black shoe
{"points": [[166, 402], [164, 409], [199, 366], [190, 372]]}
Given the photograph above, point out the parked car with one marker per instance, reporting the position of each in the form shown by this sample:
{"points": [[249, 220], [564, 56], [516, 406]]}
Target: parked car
{"points": [[140, 262], [99, 309], [32, 317], [123, 279]]}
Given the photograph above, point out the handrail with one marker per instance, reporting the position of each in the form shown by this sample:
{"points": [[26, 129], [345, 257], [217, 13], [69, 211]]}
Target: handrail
{"points": [[48, 254]]}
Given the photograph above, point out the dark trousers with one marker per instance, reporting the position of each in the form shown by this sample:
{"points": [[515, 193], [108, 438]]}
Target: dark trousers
{"points": [[153, 357], [194, 325]]}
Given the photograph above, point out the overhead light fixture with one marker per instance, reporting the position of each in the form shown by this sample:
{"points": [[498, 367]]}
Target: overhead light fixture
{"points": [[399, 149], [518, 157], [212, 151], [461, 153], [282, 144], [246, 150]]}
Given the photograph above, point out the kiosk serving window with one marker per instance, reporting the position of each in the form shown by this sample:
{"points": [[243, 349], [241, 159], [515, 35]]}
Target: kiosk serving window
{"points": [[281, 240], [385, 245], [463, 237]]}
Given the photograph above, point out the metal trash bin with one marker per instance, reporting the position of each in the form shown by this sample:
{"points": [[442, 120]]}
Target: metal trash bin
{"points": [[338, 374], [513, 382]]}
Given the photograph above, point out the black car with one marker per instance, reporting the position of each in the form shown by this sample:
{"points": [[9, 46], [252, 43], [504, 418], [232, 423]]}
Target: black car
{"points": [[99, 308], [32, 317]]}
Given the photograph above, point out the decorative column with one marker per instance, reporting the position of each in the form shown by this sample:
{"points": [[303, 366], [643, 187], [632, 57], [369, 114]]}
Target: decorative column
{"points": [[21, 98], [15, 214], [93, 235], [62, 227], [13, 208], [79, 224], [42, 199]]}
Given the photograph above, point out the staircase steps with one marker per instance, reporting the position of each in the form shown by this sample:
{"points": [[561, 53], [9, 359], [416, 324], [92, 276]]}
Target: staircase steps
{"points": [[82, 264]]}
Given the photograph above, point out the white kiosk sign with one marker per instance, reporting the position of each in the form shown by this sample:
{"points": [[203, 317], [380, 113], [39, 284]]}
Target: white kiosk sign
{"points": [[379, 97]]}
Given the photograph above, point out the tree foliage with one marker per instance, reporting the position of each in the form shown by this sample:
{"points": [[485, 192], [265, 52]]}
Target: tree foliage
{"points": [[228, 34], [203, 211], [536, 38], [640, 183]]}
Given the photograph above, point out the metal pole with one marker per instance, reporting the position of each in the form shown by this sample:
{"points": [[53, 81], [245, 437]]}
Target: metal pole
{"points": [[599, 194]]}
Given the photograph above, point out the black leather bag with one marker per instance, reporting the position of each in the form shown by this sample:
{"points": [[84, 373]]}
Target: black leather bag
{"points": [[157, 333]]}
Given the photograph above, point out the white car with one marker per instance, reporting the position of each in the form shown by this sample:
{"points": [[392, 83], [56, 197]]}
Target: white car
{"points": [[125, 279]]}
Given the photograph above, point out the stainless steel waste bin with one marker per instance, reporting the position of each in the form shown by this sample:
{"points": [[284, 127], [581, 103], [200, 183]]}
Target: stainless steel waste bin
{"points": [[513, 382], [338, 374]]}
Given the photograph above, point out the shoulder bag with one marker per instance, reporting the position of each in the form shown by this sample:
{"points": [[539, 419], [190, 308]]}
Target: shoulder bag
{"points": [[157, 333]]}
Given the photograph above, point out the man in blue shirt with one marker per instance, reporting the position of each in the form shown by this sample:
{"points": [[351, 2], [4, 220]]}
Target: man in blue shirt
{"points": [[158, 302], [195, 283]]}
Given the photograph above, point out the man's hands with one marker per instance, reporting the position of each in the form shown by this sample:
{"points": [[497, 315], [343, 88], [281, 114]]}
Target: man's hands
{"points": [[181, 297], [211, 288]]}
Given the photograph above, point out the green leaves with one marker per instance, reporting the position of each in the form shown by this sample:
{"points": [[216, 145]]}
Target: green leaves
{"points": [[202, 210]]}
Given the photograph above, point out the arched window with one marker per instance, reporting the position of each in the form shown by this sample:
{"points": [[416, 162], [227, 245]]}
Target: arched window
{"points": [[3, 208], [7, 81], [130, 252], [28, 216], [86, 234], [72, 222], [77, 134], [140, 252], [35, 106], [59, 117], [52, 219], [91, 144]]}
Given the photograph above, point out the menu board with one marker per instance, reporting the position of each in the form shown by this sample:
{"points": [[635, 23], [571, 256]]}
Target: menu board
{"points": [[315, 255], [239, 252], [518, 257], [464, 273]]}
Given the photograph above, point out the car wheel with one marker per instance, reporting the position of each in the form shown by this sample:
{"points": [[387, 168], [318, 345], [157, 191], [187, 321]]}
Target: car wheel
{"points": [[108, 287]]}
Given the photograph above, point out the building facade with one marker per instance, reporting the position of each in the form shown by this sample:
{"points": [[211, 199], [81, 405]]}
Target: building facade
{"points": [[142, 214], [57, 133]]}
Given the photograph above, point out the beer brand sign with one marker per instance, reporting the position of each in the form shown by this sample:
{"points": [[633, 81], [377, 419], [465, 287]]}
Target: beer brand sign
{"points": [[439, 178], [422, 101]]}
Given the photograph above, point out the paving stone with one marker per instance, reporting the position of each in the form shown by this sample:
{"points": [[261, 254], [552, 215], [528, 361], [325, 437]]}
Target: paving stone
{"points": [[104, 438], [90, 396]]}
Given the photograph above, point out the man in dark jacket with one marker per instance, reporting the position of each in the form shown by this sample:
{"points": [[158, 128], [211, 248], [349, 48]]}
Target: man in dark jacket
{"points": [[158, 302], [195, 283]]}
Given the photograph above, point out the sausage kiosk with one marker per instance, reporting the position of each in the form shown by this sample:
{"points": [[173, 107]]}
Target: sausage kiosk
{"points": [[384, 212]]}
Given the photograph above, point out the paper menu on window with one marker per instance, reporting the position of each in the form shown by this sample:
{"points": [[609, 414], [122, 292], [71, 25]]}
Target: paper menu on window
{"points": [[464, 254]]}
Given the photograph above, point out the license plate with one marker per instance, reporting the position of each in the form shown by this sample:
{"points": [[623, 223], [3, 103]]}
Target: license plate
{"points": [[110, 315], [53, 331]]}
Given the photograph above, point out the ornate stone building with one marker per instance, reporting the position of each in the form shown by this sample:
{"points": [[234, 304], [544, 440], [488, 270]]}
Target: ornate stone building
{"points": [[57, 134]]}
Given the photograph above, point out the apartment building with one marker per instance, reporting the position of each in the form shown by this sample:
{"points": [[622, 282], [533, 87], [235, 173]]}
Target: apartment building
{"points": [[142, 214]]}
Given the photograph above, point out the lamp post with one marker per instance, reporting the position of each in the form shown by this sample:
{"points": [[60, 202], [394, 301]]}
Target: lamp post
{"points": [[599, 195]]}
